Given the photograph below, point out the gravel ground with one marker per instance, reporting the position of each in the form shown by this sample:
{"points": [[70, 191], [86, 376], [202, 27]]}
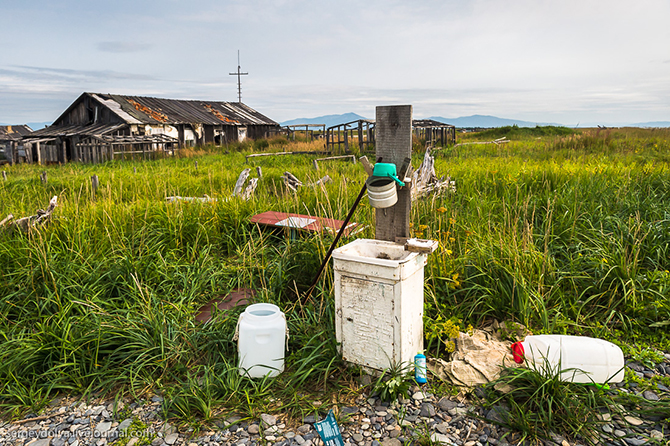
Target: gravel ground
{"points": [[369, 423]]}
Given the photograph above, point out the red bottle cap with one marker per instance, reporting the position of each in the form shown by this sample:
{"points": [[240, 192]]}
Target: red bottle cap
{"points": [[518, 352]]}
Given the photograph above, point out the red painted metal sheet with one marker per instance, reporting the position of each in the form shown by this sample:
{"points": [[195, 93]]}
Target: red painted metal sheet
{"points": [[304, 222]]}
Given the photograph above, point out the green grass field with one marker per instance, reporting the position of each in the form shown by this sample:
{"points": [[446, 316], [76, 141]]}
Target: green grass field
{"points": [[565, 233]]}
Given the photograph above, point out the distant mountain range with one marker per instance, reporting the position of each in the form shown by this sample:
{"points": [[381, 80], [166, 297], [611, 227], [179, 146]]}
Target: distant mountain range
{"points": [[485, 121], [466, 121], [652, 124], [328, 120], [474, 121]]}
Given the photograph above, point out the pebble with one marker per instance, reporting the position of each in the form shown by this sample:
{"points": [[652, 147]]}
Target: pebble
{"points": [[418, 396], [651, 396], [269, 420], [633, 420]]}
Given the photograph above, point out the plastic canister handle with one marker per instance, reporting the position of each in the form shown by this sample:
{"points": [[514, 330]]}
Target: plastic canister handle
{"points": [[518, 352]]}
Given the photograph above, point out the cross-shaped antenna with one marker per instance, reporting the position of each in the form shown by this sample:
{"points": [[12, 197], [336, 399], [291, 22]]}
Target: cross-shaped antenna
{"points": [[239, 79]]}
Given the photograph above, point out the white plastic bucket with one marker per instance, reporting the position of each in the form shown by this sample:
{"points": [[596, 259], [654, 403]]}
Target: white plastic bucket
{"points": [[382, 192], [261, 333], [580, 359]]}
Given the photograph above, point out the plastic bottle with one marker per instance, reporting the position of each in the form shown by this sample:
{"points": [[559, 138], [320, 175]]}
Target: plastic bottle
{"points": [[580, 359], [261, 335], [420, 375]]}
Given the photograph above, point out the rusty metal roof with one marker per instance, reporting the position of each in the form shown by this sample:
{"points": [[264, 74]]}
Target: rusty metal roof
{"points": [[13, 132], [149, 110], [72, 130]]}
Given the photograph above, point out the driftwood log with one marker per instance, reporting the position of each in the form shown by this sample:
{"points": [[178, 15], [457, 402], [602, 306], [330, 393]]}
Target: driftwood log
{"points": [[240, 182], [426, 182], [240, 190], [291, 181], [205, 199], [25, 224], [498, 141]]}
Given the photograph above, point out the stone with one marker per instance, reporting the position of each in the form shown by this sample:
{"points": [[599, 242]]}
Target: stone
{"points": [[172, 438], [656, 435], [357, 438], [268, 420], [365, 380], [456, 411], [427, 410], [304, 428], [619, 433], [311, 419], [442, 428], [497, 414], [103, 427], [633, 420], [272, 430], [156, 399], [41, 442], [253, 429], [446, 404], [298, 439], [607, 428], [635, 441], [649, 395], [418, 396], [349, 410], [440, 438], [391, 442]]}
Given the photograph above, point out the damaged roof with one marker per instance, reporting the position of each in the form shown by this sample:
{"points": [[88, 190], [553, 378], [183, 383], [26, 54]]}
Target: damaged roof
{"points": [[148, 110], [13, 132], [72, 130]]}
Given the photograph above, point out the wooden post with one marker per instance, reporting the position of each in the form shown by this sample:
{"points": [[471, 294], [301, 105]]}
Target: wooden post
{"points": [[11, 149], [346, 140], [394, 144], [196, 165], [43, 177], [39, 154], [4, 175], [94, 183], [259, 171]]}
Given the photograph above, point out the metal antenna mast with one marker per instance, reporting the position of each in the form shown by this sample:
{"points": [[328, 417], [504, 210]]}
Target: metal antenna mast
{"points": [[239, 79]]}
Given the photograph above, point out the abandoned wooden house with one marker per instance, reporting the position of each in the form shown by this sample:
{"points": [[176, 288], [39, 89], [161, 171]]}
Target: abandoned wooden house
{"points": [[98, 127], [11, 144], [434, 133], [362, 133]]}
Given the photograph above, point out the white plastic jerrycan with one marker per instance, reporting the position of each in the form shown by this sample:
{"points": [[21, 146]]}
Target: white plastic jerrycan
{"points": [[580, 359], [261, 334]]}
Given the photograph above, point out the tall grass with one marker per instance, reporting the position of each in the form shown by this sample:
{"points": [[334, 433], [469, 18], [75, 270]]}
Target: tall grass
{"points": [[551, 233]]}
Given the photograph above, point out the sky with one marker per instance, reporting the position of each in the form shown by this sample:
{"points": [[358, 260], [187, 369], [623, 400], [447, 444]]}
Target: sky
{"points": [[569, 62]]}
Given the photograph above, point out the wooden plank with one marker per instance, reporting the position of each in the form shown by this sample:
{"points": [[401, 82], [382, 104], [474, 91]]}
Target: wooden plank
{"points": [[366, 165], [393, 145]]}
